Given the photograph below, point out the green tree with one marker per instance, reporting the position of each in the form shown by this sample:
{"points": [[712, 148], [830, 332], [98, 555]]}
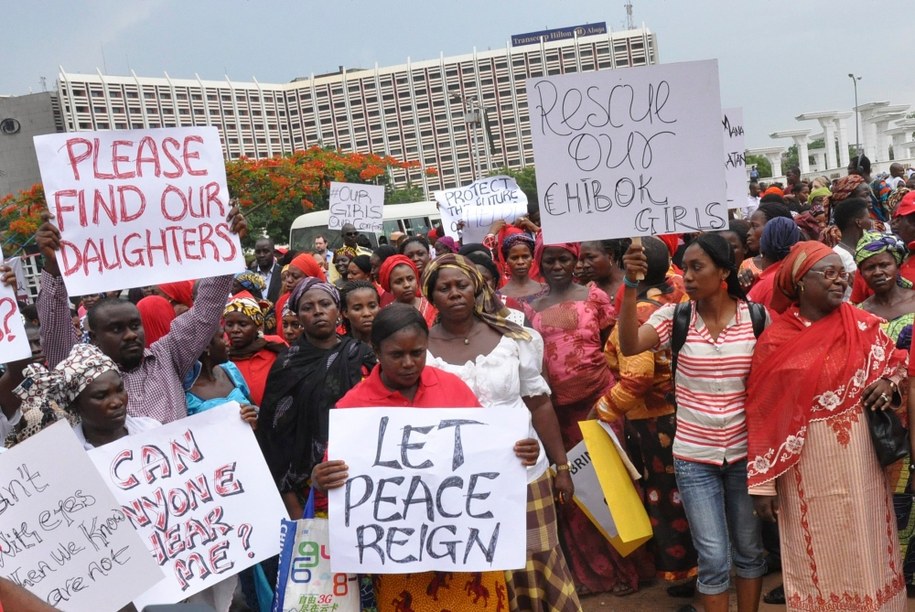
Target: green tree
{"points": [[762, 164], [525, 177]]}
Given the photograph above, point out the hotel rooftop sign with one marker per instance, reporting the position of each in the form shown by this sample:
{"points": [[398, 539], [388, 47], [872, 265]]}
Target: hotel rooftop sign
{"points": [[559, 34]]}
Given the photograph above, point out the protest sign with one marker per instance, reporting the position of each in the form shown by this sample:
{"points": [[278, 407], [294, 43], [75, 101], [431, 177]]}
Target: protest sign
{"points": [[628, 152], [436, 489], [614, 506], [478, 205], [735, 157], [356, 203], [62, 534], [201, 496], [13, 343], [137, 208]]}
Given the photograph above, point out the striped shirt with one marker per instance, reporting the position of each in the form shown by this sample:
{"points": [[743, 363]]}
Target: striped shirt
{"points": [[711, 386]]}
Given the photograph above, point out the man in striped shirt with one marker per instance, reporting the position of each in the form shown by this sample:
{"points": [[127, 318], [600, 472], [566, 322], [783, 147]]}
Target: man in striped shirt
{"points": [[153, 377]]}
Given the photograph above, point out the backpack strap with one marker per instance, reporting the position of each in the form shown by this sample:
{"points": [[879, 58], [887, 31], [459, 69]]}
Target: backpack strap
{"points": [[683, 312], [757, 317]]}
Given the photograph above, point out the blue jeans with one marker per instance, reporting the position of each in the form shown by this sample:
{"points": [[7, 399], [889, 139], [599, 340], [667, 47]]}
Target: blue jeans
{"points": [[721, 520]]}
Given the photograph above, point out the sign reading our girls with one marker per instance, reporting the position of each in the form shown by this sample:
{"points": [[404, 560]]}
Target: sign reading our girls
{"points": [[140, 207], [438, 489], [356, 203], [628, 152]]}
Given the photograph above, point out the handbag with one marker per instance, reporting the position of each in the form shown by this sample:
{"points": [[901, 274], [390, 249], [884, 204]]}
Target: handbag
{"points": [[305, 580], [890, 438]]}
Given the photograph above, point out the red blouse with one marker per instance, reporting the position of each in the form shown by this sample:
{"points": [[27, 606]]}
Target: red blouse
{"points": [[437, 389]]}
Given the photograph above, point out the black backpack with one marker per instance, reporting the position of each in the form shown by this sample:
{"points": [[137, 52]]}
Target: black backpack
{"points": [[683, 312]]}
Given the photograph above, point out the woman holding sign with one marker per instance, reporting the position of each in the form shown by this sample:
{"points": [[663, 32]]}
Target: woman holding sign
{"points": [[575, 322], [400, 338], [501, 362], [711, 366]]}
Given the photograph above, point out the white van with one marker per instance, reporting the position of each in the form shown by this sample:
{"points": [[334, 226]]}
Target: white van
{"points": [[413, 218]]}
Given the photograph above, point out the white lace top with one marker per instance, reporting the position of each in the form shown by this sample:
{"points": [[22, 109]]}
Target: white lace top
{"points": [[503, 377]]}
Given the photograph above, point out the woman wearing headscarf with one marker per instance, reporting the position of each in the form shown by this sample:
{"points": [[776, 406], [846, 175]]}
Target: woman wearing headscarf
{"points": [[301, 266], [811, 462], [752, 267], [710, 445], [342, 257], [251, 352], [878, 257], [157, 315], [575, 322], [304, 383], [643, 396], [399, 278], [500, 361], [180, 294], [516, 261], [778, 236]]}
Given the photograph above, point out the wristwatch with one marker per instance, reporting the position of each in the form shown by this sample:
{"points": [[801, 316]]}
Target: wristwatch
{"points": [[565, 467]]}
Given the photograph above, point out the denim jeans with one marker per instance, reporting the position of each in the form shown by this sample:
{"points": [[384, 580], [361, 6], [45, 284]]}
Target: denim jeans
{"points": [[722, 522]]}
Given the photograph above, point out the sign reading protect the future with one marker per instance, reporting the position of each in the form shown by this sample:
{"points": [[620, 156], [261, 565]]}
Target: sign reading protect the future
{"points": [[137, 208], [628, 152], [429, 489]]}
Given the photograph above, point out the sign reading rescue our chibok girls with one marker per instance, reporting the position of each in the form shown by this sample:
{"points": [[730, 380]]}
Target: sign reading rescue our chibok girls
{"points": [[137, 208], [62, 534], [628, 152], [435, 489], [13, 343], [201, 496]]}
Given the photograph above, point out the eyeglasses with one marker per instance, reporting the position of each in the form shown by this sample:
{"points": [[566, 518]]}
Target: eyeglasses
{"points": [[351, 234], [831, 274]]}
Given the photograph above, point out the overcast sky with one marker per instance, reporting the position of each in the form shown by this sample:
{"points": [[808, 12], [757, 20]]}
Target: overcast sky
{"points": [[777, 58]]}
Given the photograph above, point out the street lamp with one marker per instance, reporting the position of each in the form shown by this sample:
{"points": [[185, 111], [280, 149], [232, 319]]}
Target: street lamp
{"points": [[854, 80], [473, 116]]}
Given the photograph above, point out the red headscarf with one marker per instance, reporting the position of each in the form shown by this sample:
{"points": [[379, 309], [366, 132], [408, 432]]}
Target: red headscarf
{"points": [[572, 247], [181, 292], [157, 315], [800, 259], [384, 273], [774, 190], [309, 266], [672, 241]]}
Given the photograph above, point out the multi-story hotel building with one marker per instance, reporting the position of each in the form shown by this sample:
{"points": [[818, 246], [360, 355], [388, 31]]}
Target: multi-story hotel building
{"points": [[414, 111]]}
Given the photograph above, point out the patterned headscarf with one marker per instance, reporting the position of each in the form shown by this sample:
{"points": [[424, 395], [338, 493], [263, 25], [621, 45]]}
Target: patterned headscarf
{"points": [[251, 281], [487, 307], [347, 251], [895, 198], [845, 186], [245, 304], [802, 257], [384, 272], [874, 243], [518, 238], [66, 381], [307, 284]]}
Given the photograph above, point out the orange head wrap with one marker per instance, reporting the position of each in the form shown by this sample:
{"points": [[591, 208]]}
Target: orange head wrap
{"points": [[309, 266], [800, 259]]}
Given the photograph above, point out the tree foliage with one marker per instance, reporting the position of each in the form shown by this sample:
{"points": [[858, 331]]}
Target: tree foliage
{"points": [[525, 177], [271, 192], [762, 164]]}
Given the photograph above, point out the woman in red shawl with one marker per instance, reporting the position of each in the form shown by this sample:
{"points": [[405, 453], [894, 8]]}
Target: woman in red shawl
{"points": [[811, 463], [157, 315], [180, 295], [399, 278]]}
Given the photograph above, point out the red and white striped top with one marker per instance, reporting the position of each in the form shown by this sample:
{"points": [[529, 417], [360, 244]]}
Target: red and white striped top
{"points": [[711, 386]]}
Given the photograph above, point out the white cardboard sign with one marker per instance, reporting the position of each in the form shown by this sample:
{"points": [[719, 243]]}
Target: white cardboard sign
{"points": [[356, 203], [139, 207], [13, 343], [201, 496], [62, 534], [428, 489], [735, 157], [628, 152], [478, 205]]}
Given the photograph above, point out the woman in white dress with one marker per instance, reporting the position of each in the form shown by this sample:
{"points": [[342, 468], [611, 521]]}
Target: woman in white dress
{"points": [[500, 361]]}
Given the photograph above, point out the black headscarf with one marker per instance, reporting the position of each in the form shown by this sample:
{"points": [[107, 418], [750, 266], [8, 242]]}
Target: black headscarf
{"points": [[304, 384]]}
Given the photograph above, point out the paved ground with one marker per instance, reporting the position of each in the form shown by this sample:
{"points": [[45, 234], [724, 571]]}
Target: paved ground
{"points": [[655, 599]]}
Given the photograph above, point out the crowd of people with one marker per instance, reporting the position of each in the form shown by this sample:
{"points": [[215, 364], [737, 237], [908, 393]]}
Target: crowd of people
{"points": [[737, 367]]}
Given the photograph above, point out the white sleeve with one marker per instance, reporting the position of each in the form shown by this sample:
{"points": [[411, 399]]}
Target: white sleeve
{"points": [[531, 362]]}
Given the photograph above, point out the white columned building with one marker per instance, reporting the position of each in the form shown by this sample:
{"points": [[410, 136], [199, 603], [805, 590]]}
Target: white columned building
{"points": [[881, 121], [829, 121], [868, 130], [773, 154], [800, 139]]}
